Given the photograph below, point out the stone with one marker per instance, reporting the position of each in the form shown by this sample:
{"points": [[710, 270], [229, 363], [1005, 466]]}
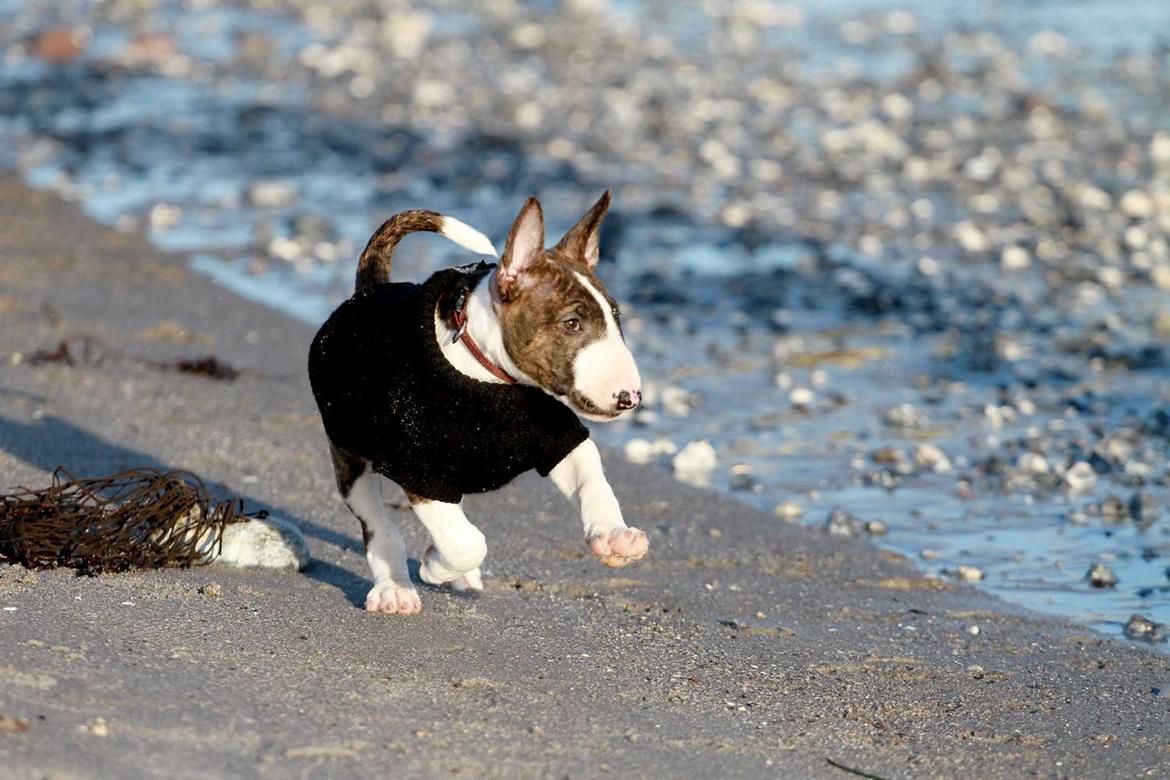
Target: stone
{"points": [[969, 573], [695, 462], [788, 511], [1101, 576], [1141, 629], [931, 457], [1080, 477], [268, 543]]}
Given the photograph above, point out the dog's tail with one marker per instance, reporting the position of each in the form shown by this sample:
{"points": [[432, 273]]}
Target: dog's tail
{"points": [[374, 265]]}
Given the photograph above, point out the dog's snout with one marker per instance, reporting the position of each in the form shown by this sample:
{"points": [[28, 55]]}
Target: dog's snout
{"points": [[628, 399]]}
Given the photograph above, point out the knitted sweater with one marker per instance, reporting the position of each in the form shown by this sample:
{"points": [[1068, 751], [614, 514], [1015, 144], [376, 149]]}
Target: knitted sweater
{"points": [[387, 393]]}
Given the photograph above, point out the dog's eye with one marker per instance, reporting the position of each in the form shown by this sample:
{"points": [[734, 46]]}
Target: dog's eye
{"points": [[572, 324]]}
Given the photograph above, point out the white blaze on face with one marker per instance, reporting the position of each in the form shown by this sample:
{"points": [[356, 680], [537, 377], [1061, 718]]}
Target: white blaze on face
{"points": [[605, 367]]}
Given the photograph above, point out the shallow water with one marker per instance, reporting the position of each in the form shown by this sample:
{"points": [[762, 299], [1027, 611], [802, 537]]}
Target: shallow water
{"points": [[733, 320]]}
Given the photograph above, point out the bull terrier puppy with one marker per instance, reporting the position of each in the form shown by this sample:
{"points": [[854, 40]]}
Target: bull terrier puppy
{"points": [[463, 382]]}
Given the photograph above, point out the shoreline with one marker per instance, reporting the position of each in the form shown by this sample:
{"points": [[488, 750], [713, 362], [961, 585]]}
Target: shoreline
{"points": [[742, 645]]}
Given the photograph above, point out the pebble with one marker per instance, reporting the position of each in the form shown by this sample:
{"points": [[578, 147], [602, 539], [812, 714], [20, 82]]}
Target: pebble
{"points": [[742, 477], [164, 216], [639, 451], [973, 630], [1032, 464], [1141, 629], [212, 590], [1101, 576], [1137, 204], [906, 416], [801, 397], [969, 573], [1015, 258], [931, 457], [643, 451], [788, 511], [272, 194], [842, 523], [695, 462], [1080, 477], [676, 401], [60, 44]]}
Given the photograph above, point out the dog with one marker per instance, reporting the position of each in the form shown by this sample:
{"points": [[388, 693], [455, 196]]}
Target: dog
{"points": [[461, 383]]}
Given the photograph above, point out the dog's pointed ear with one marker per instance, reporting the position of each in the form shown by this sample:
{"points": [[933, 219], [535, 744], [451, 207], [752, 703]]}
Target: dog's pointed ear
{"points": [[583, 241], [523, 249]]}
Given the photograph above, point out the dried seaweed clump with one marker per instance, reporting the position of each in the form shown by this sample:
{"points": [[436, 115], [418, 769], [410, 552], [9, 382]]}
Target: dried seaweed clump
{"points": [[138, 519]]}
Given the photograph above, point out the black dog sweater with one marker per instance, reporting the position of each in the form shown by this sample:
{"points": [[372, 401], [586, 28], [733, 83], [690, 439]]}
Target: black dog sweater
{"points": [[386, 393]]}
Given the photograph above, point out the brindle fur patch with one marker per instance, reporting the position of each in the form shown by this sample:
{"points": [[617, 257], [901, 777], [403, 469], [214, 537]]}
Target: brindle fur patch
{"points": [[532, 321], [347, 467], [374, 264]]}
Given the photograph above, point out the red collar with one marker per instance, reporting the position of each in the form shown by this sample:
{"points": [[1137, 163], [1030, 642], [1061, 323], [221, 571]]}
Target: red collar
{"points": [[459, 318]]}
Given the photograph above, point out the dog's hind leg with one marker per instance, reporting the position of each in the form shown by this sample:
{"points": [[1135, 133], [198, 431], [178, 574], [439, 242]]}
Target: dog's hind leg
{"points": [[457, 549], [361, 487]]}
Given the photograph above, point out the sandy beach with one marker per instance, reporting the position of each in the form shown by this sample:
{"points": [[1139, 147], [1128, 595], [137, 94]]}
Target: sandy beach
{"points": [[742, 646]]}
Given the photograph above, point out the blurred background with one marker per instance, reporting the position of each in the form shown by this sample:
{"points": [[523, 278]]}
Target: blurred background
{"points": [[893, 269]]}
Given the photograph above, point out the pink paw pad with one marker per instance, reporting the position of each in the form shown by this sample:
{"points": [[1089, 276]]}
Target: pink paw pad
{"points": [[389, 598], [620, 547]]}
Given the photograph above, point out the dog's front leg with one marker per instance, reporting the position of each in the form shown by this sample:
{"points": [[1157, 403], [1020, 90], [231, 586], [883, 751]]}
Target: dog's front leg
{"points": [[581, 479]]}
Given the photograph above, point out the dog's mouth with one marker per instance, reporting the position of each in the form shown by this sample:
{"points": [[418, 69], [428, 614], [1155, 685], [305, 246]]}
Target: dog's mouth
{"points": [[589, 410]]}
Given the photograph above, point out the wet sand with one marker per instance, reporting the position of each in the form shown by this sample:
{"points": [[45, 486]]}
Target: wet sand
{"points": [[742, 646]]}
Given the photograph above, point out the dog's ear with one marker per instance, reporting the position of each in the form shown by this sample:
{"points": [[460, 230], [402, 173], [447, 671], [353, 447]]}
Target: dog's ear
{"points": [[523, 249], [583, 241]]}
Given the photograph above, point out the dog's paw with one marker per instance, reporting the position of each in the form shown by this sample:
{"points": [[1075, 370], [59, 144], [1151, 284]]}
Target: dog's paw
{"points": [[471, 580], [438, 575], [618, 547], [390, 598]]}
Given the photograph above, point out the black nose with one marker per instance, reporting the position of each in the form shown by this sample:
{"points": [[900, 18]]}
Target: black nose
{"points": [[626, 400]]}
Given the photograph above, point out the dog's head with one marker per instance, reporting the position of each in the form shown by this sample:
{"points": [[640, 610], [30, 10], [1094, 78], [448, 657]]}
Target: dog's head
{"points": [[560, 325]]}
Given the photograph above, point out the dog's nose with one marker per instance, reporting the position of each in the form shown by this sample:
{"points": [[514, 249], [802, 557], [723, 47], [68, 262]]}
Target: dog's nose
{"points": [[627, 399]]}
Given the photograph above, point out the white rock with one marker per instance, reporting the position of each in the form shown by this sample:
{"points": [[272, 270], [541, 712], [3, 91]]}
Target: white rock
{"points": [[663, 447], [271, 543], [970, 237], [695, 463], [969, 573], [929, 456], [639, 451], [1137, 204], [272, 194], [1032, 463], [1015, 258], [1160, 148], [164, 216], [676, 401], [1080, 477], [801, 396], [788, 511]]}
